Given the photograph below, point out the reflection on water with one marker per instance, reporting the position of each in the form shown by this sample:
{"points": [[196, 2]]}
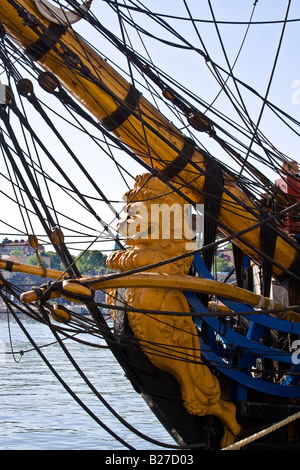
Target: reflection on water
{"points": [[36, 412]]}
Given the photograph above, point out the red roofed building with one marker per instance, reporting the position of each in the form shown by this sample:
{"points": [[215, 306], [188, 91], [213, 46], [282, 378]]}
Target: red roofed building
{"points": [[6, 247]]}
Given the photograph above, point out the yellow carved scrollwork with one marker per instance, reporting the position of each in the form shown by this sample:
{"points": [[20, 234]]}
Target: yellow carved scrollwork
{"points": [[169, 341]]}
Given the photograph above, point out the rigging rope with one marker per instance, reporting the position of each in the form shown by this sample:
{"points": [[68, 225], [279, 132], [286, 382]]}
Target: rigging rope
{"points": [[90, 385], [270, 81], [64, 384], [258, 435], [230, 193]]}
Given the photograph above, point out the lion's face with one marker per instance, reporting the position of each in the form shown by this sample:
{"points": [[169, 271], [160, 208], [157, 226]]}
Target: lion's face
{"points": [[146, 222], [156, 225], [135, 225]]}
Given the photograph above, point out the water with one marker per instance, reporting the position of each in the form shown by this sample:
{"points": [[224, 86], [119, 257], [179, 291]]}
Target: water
{"points": [[37, 413]]}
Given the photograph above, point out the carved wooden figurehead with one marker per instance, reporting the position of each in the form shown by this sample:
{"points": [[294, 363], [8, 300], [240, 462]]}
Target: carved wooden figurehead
{"points": [[156, 227]]}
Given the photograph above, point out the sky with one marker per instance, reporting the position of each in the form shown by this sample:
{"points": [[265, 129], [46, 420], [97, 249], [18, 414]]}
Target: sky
{"points": [[253, 66]]}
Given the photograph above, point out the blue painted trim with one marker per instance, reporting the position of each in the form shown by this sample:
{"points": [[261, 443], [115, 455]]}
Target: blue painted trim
{"points": [[226, 332], [248, 380], [250, 345], [261, 318]]}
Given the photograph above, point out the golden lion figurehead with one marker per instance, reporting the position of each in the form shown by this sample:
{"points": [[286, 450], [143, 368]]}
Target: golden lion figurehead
{"points": [[157, 228], [155, 212]]}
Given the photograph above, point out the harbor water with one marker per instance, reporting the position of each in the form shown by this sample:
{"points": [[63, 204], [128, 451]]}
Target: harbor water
{"points": [[38, 413]]}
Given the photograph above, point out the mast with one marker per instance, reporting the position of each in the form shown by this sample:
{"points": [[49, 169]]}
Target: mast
{"points": [[122, 110]]}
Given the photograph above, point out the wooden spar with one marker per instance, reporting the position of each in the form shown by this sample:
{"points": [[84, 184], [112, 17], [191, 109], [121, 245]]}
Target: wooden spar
{"points": [[154, 280], [34, 270], [160, 281], [158, 143]]}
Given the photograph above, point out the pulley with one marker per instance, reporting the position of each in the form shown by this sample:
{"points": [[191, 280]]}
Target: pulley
{"points": [[49, 82], [195, 118], [25, 87], [168, 94], [60, 314], [33, 241], [57, 236], [76, 292], [199, 122]]}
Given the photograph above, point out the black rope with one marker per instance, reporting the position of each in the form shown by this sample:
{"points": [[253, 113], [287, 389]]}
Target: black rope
{"points": [[214, 244], [63, 250], [199, 20], [214, 184], [270, 80], [34, 101], [268, 243], [99, 396]]}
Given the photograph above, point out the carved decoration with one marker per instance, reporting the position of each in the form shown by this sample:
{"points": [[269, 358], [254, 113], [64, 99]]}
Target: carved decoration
{"points": [[169, 341], [58, 15]]}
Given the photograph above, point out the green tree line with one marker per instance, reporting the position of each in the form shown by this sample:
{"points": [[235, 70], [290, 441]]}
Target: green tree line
{"points": [[89, 262]]}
